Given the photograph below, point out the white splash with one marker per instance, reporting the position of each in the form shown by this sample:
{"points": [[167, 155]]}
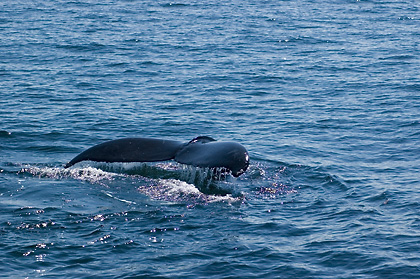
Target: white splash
{"points": [[90, 174], [180, 191], [177, 187], [168, 189]]}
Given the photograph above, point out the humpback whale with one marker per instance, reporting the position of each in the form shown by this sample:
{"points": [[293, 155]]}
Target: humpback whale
{"points": [[202, 151]]}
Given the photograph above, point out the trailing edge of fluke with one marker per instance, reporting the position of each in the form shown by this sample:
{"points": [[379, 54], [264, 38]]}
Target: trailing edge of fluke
{"points": [[200, 152]]}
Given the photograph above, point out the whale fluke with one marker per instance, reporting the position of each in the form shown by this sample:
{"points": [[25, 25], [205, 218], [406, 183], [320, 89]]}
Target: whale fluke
{"points": [[202, 151]]}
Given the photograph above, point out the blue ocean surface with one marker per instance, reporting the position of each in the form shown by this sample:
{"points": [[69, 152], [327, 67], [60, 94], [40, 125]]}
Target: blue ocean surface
{"points": [[325, 96]]}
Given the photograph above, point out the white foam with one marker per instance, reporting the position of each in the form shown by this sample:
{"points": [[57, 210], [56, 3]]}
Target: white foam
{"points": [[176, 187], [88, 174], [180, 191]]}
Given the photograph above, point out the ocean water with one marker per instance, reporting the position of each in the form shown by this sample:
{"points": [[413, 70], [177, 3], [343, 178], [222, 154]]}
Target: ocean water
{"points": [[325, 95]]}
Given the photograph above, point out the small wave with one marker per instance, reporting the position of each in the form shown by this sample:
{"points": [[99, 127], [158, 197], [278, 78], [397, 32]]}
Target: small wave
{"points": [[174, 5], [111, 195], [83, 47]]}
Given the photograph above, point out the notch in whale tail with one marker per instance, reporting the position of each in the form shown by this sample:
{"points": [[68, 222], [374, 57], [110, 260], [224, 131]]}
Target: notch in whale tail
{"points": [[200, 152]]}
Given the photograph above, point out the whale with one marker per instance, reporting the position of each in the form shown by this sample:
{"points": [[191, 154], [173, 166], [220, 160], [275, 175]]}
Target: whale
{"points": [[202, 151]]}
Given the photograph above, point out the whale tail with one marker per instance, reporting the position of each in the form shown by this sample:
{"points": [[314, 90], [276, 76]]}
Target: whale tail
{"points": [[200, 152]]}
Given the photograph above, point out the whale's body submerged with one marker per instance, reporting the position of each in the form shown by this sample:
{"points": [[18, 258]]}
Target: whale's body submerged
{"points": [[200, 152]]}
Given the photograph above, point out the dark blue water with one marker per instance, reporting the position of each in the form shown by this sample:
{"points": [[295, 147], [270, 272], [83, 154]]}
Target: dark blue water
{"points": [[325, 95]]}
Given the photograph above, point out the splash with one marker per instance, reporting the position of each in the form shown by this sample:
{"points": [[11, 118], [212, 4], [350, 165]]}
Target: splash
{"points": [[177, 184], [274, 190], [90, 174], [175, 190], [216, 181]]}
